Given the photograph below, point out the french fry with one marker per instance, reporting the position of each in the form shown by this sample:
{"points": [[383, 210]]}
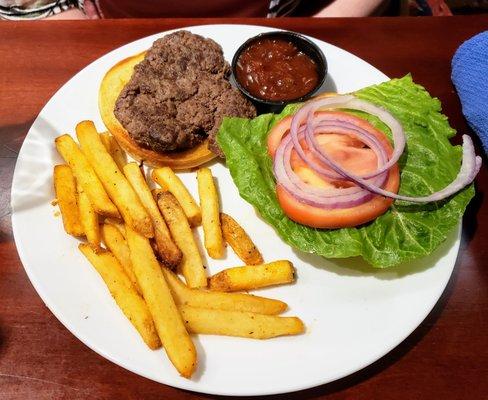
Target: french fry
{"points": [[201, 298], [191, 265], [85, 174], [210, 208], [167, 319], [117, 187], [124, 293], [167, 249], [252, 276], [105, 138], [114, 149], [88, 218], [240, 241], [184, 295], [168, 180], [117, 223], [238, 323], [116, 243], [65, 188], [156, 192]]}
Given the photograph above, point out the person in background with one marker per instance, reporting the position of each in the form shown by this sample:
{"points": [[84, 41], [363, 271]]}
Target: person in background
{"points": [[93, 9]]}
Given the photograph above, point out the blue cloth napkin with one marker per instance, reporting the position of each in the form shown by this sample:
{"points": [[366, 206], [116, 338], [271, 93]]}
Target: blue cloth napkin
{"points": [[470, 77]]}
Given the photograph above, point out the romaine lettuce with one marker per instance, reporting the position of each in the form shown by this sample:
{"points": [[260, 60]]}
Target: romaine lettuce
{"points": [[405, 231]]}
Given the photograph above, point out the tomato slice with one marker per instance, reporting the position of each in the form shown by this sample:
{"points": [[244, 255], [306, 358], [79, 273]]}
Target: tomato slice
{"points": [[276, 134], [348, 152], [352, 155], [341, 217]]}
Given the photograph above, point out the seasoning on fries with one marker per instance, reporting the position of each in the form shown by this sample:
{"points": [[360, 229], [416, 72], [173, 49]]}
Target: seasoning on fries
{"points": [[167, 319], [98, 182], [168, 251], [191, 265], [168, 180], [202, 298], [238, 323], [119, 190], [253, 276], [85, 174], [240, 241], [124, 293]]}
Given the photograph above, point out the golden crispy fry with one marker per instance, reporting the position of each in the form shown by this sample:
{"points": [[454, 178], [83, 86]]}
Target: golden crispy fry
{"points": [[114, 149], [202, 298], [239, 240], [65, 188], [105, 138], [155, 193], [168, 180], [85, 174], [253, 276], [124, 293], [88, 218], [191, 265], [167, 319], [119, 190], [117, 223], [116, 243], [166, 247], [238, 323], [209, 204]]}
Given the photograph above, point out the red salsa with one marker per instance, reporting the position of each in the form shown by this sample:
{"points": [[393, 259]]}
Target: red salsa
{"points": [[275, 69]]}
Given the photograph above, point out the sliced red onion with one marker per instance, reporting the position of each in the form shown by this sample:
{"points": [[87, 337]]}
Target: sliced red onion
{"points": [[470, 166], [307, 124], [307, 113], [319, 197]]}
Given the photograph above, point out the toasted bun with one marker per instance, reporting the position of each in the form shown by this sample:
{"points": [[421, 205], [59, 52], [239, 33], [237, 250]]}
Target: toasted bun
{"points": [[112, 84]]}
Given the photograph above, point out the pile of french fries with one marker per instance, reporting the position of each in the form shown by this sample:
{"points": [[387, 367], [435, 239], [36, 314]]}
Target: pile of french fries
{"points": [[148, 239]]}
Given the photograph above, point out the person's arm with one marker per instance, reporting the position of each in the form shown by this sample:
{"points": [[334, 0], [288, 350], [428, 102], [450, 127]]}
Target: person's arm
{"points": [[350, 8]]}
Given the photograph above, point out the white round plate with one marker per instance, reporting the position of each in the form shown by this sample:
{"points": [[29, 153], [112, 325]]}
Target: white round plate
{"points": [[353, 315]]}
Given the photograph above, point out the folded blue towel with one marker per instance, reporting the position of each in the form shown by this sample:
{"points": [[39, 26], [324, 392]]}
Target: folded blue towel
{"points": [[470, 77]]}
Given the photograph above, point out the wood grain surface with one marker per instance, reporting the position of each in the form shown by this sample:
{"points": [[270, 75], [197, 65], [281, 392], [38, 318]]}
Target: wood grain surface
{"points": [[445, 358]]}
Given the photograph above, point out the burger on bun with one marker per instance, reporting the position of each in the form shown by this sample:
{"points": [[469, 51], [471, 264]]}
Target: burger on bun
{"points": [[165, 106]]}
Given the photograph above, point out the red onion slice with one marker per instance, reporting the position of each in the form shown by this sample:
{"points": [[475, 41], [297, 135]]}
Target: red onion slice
{"points": [[307, 124], [470, 166], [307, 113]]}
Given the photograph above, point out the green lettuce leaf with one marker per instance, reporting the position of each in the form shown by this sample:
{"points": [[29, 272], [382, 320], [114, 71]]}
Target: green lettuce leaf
{"points": [[405, 232]]}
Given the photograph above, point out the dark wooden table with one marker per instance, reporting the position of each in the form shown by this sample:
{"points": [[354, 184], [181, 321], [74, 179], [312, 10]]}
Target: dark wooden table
{"points": [[445, 358]]}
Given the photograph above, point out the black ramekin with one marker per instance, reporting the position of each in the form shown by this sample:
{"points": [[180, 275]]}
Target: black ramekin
{"points": [[304, 45]]}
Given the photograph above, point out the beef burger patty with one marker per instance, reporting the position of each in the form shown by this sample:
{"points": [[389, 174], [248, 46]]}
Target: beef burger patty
{"points": [[178, 95]]}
